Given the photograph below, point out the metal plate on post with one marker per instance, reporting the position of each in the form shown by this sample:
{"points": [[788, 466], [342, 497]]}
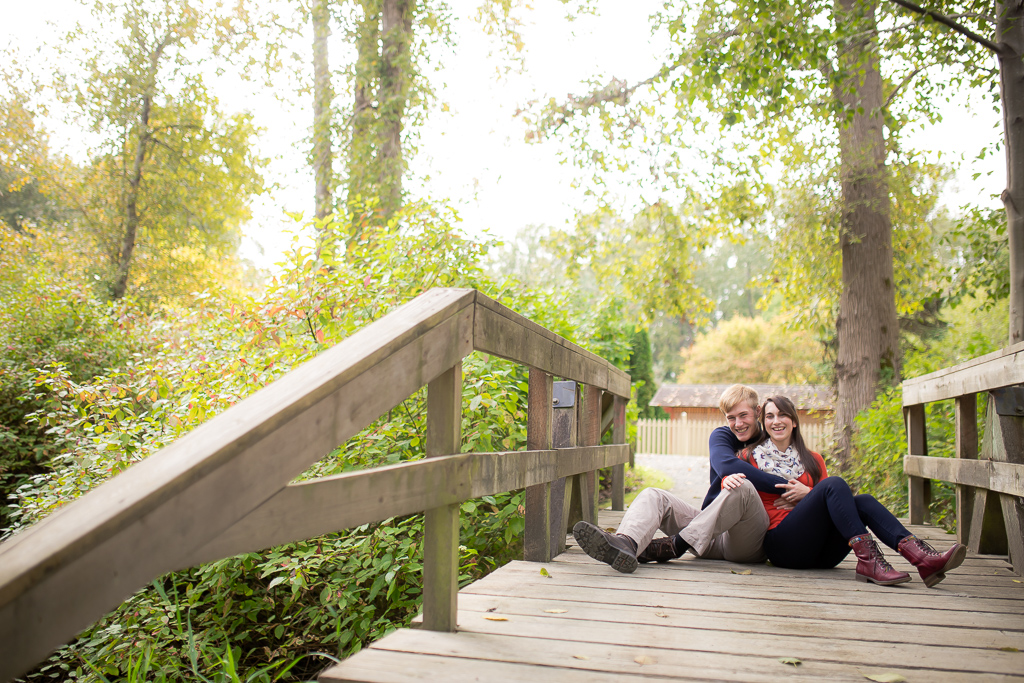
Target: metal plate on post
{"points": [[1009, 400], [564, 395]]}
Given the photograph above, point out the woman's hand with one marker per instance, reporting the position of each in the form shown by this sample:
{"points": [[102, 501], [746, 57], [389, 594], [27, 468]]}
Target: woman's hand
{"points": [[793, 494], [733, 481]]}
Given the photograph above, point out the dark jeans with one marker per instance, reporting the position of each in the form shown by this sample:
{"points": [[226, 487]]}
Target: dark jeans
{"points": [[816, 533]]}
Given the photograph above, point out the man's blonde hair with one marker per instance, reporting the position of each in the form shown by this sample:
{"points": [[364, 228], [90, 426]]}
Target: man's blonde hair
{"points": [[737, 394]]}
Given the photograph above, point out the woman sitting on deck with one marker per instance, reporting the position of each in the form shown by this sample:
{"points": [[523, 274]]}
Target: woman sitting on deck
{"points": [[815, 522]]}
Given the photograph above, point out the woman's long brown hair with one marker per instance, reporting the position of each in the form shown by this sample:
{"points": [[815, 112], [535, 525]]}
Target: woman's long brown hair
{"points": [[786, 407]]}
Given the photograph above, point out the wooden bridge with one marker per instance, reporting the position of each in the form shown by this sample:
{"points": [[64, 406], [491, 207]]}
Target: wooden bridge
{"points": [[711, 620], [557, 614]]}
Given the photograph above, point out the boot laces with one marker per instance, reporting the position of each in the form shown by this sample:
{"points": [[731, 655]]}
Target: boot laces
{"points": [[883, 563], [925, 548], [879, 557]]}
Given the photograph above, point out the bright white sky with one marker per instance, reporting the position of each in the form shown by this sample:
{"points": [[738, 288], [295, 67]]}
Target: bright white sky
{"points": [[475, 154]]}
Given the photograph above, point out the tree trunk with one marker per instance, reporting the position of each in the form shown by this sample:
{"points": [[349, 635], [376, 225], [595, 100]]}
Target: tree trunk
{"points": [[323, 97], [131, 205], [363, 143], [867, 327], [1010, 37], [396, 33]]}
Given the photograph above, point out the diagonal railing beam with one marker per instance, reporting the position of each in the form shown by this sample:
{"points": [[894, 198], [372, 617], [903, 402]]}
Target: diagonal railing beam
{"points": [[60, 575]]}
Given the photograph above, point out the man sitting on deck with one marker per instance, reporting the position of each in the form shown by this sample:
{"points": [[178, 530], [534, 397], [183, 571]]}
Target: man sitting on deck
{"points": [[732, 522]]}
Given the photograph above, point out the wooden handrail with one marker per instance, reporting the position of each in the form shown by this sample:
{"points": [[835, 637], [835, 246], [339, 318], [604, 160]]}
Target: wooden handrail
{"points": [[225, 488], [989, 480], [992, 371]]}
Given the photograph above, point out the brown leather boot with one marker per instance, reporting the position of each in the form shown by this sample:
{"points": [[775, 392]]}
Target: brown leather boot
{"points": [[872, 565], [930, 563], [659, 550], [617, 550]]}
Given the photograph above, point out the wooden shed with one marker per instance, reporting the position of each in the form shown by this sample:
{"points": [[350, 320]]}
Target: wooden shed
{"points": [[693, 414], [813, 401]]}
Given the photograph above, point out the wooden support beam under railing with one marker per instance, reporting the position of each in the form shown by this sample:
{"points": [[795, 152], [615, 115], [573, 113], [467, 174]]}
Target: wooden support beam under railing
{"points": [[441, 523], [619, 471], [536, 535], [966, 425], [583, 500], [919, 490], [563, 435]]}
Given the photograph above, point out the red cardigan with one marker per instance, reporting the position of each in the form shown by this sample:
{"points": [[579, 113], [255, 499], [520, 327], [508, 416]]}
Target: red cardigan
{"points": [[776, 515]]}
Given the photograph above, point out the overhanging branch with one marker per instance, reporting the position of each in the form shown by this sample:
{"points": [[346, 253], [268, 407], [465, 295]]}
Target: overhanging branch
{"points": [[946, 21]]}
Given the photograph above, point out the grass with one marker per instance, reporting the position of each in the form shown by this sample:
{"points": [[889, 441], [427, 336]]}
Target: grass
{"points": [[637, 479]]}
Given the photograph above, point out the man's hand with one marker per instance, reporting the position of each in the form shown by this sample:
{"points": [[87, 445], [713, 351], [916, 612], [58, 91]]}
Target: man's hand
{"points": [[794, 493], [733, 481]]}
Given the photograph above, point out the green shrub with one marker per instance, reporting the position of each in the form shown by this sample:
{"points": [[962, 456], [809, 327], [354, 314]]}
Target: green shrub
{"points": [[258, 615], [45, 321]]}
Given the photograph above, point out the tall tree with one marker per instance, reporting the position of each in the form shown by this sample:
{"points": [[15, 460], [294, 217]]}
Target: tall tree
{"points": [[395, 82], [170, 171], [1007, 20], [395, 43], [867, 328], [805, 88], [323, 99], [385, 78]]}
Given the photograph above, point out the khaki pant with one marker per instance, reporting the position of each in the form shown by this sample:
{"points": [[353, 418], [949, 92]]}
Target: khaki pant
{"points": [[731, 528]]}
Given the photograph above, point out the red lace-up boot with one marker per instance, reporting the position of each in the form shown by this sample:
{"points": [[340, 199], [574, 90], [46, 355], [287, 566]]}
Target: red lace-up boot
{"points": [[872, 565], [930, 563]]}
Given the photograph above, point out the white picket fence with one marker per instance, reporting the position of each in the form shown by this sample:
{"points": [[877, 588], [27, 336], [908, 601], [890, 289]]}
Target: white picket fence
{"points": [[689, 436]]}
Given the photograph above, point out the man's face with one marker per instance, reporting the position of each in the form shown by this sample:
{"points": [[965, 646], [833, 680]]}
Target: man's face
{"points": [[743, 421]]}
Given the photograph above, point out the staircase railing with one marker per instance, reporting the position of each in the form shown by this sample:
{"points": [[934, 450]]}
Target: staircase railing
{"points": [[225, 488], [989, 482]]}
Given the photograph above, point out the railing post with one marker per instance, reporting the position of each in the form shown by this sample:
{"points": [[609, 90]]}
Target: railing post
{"points": [[441, 524], [583, 501], [537, 534], [966, 410], [563, 435], [919, 490], [1004, 442], [619, 471]]}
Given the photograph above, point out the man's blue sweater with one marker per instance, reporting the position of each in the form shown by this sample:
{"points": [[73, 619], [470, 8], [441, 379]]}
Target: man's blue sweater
{"points": [[723, 445]]}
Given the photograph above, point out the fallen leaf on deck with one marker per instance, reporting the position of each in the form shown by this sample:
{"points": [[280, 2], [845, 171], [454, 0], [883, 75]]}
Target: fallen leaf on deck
{"points": [[544, 572], [1009, 649], [610, 530], [661, 614], [790, 660], [580, 657], [643, 659], [1017, 581], [496, 618], [745, 571], [556, 611], [886, 677]]}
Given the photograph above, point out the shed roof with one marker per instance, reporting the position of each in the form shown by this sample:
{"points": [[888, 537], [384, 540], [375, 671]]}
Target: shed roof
{"points": [[805, 396]]}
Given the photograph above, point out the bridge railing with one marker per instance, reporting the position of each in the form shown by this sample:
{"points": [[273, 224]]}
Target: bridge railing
{"points": [[226, 487], [990, 480]]}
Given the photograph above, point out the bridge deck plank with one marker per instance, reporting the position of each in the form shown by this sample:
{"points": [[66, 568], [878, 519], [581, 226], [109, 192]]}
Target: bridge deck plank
{"points": [[699, 620]]}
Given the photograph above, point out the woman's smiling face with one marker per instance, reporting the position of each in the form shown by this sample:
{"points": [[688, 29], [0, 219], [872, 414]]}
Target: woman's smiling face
{"points": [[778, 426]]}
